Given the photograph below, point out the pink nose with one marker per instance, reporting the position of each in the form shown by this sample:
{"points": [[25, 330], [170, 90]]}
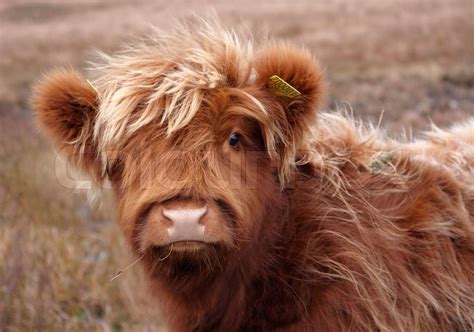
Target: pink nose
{"points": [[186, 224]]}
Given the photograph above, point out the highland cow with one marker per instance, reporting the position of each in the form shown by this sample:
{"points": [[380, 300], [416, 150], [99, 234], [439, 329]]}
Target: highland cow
{"points": [[250, 210]]}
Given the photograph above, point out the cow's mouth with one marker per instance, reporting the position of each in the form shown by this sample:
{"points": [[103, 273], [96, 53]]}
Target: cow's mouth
{"points": [[187, 245], [180, 248], [186, 259]]}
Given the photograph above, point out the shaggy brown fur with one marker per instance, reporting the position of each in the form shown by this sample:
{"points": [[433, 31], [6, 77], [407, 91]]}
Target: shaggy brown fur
{"points": [[313, 222]]}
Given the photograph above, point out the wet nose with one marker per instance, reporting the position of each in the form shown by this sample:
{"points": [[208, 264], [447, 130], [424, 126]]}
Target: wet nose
{"points": [[186, 223]]}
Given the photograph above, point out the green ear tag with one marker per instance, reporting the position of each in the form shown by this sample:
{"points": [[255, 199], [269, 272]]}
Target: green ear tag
{"points": [[92, 86], [281, 88]]}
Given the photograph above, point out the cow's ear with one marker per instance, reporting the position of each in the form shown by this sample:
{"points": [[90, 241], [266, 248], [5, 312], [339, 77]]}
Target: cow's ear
{"points": [[291, 86], [66, 107], [293, 80]]}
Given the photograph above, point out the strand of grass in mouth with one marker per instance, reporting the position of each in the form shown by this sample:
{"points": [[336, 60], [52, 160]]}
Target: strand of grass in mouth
{"points": [[169, 253], [119, 273]]}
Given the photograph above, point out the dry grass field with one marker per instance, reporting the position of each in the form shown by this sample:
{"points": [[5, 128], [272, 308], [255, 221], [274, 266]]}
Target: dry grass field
{"points": [[411, 59]]}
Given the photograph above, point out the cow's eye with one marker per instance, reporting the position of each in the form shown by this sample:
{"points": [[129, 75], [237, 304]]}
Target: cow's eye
{"points": [[234, 139]]}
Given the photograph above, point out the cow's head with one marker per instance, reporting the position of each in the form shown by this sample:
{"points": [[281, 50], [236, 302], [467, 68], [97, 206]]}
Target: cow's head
{"points": [[194, 137]]}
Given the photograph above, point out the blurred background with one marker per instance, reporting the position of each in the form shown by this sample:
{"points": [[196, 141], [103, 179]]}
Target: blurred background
{"points": [[411, 59]]}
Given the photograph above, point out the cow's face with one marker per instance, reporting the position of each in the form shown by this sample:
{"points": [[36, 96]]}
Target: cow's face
{"points": [[197, 168], [204, 188]]}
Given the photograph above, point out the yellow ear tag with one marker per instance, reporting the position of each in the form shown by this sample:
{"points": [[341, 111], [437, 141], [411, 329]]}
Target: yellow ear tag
{"points": [[282, 88], [92, 86]]}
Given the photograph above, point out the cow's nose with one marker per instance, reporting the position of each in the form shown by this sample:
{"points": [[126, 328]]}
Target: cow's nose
{"points": [[186, 223]]}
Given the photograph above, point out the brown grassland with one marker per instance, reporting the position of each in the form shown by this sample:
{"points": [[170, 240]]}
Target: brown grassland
{"points": [[413, 61]]}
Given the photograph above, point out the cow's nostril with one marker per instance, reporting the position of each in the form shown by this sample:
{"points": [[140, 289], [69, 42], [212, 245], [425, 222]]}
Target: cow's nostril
{"points": [[185, 215], [186, 223]]}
